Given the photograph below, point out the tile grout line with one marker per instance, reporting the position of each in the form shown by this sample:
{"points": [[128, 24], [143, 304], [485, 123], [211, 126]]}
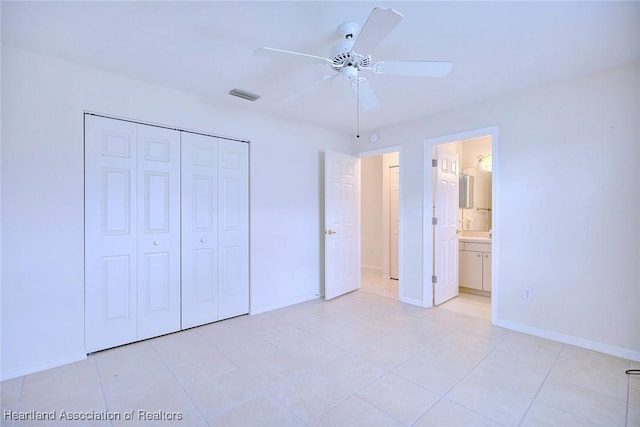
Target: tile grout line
{"points": [[155, 350], [314, 370], [19, 402], [266, 391], [459, 327], [104, 396], [546, 377], [351, 350], [286, 408], [626, 418], [392, 371], [353, 394], [462, 379]]}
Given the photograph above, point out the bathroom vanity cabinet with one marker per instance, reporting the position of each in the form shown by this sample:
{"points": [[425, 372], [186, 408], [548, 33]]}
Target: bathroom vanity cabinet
{"points": [[475, 265]]}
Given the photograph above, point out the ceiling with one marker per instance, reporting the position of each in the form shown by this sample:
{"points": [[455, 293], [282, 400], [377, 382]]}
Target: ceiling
{"points": [[206, 48]]}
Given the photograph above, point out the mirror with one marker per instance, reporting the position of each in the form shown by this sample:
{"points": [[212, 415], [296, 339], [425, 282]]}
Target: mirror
{"points": [[476, 184], [465, 186]]}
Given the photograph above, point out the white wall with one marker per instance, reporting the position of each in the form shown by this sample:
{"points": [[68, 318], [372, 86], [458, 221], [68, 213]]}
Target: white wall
{"points": [[375, 240], [567, 220], [371, 200], [43, 101], [388, 160], [471, 149]]}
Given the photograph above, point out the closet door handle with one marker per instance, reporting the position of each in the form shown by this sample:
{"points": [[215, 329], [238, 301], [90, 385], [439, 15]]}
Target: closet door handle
{"points": [[202, 240], [156, 243]]}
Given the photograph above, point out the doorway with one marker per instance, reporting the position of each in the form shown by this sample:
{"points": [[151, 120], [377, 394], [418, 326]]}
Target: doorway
{"points": [[475, 221], [380, 219]]}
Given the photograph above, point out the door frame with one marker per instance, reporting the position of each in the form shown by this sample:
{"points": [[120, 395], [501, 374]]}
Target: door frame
{"points": [[427, 200], [385, 234], [387, 224]]}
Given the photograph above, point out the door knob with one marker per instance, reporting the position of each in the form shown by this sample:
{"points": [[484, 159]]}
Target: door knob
{"points": [[202, 240], [156, 243], [331, 231]]}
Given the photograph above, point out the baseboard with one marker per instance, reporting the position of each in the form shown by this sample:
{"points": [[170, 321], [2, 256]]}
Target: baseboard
{"points": [[264, 309], [413, 301], [474, 291], [42, 366], [570, 339]]}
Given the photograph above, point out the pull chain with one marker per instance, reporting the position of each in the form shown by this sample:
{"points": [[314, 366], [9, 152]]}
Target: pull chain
{"points": [[357, 107]]}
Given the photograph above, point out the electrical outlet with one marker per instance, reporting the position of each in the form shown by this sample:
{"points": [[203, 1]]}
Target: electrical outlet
{"points": [[527, 294]]}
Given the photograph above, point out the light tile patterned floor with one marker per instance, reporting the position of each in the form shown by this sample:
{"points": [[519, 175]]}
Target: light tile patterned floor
{"points": [[373, 282], [360, 359]]}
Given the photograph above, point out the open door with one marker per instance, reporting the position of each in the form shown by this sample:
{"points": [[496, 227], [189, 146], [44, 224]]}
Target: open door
{"points": [[394, 222], [445, 197], [342, 224]]}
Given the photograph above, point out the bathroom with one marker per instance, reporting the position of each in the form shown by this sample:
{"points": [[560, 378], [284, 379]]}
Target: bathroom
{"points": [[475, 215]]}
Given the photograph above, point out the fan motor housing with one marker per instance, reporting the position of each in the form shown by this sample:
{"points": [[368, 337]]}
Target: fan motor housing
{"points": [[342, 56], [349, 30]]}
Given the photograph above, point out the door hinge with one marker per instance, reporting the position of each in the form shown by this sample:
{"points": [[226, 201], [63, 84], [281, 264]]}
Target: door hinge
{"points": [[434, 279], [434, 163], [434, 221]]}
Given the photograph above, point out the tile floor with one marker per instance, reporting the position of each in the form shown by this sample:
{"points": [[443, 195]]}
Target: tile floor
{"points": [[359, 360], [373, 282]]}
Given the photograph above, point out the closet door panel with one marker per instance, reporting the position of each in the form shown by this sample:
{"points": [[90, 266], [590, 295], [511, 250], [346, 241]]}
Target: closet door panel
{"points": [[167, 231], [233, 228], [199, 230], [110, 232], [158, 231]]}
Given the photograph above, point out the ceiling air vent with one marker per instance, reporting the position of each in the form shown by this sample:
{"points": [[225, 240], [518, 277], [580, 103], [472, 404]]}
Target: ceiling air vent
{"points": [[244, 94]]}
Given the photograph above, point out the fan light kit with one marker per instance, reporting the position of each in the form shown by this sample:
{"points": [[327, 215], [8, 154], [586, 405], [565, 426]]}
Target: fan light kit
{"points": [[352, 54]]}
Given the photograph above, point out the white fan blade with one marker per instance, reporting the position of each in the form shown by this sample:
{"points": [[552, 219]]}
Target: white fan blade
{"points": [[286, 54], [366, 96], [414, 68], [379, 24], [302, 93]]}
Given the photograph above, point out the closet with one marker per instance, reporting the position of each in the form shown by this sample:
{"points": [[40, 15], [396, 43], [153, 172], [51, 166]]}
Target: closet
{"points": [[166, 230]]}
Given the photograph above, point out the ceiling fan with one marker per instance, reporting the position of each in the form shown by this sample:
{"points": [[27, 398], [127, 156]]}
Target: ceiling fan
{"points": [[352, 55]]}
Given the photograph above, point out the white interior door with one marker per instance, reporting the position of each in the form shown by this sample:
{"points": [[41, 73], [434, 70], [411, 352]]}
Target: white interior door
{"points": [[110, 232], [342, 224], [199, 229], [394, 220], [158, 231], [445, 231], [233, 228]]}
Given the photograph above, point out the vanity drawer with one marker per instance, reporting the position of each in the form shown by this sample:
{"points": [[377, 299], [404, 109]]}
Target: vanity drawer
{"points": [[477, 247]]}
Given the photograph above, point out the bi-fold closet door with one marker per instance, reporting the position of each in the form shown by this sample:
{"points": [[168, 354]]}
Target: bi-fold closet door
{"points": [[215, 231], [156, 260]]}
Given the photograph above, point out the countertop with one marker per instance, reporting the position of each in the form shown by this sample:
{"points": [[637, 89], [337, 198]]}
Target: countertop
{"points": [[477, 239]]}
